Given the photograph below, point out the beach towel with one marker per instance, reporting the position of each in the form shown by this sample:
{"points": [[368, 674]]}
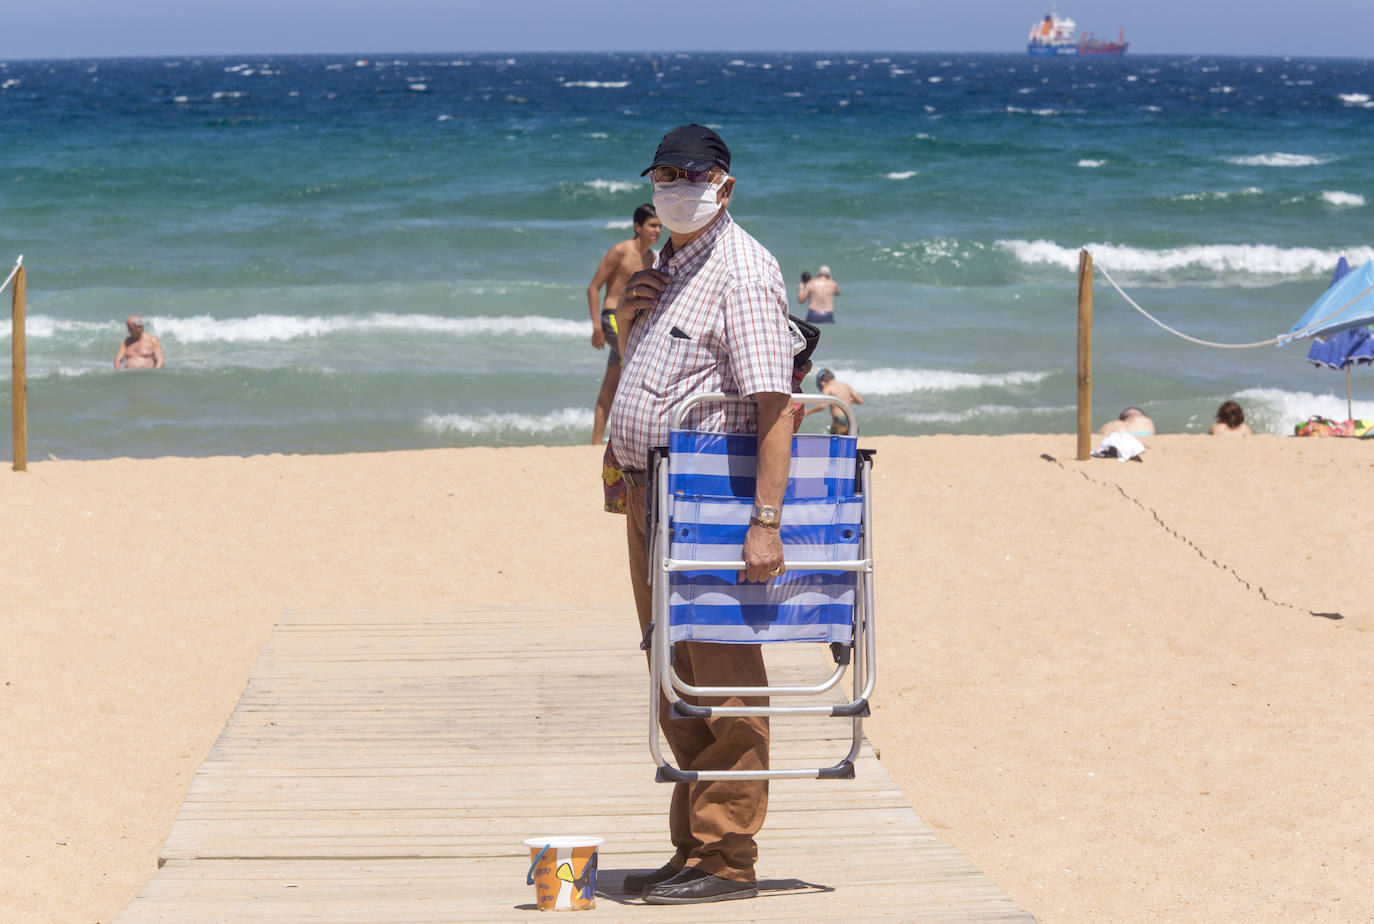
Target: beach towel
{"points": [[1120, 446], [1316, 425]]}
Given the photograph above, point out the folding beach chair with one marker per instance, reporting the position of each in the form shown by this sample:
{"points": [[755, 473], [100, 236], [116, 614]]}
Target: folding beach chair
{"points": [[701, 496]]}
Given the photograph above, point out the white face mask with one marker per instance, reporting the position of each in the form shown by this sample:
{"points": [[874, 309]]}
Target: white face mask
{"points": [[686, 207]]}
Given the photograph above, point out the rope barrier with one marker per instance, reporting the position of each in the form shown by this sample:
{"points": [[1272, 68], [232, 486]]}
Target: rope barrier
{"points": [[17, 263], [1285, 338]]}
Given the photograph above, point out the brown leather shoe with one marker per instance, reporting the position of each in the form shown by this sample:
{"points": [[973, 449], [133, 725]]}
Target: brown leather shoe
{"points": [[692, 886], [636, 883]]}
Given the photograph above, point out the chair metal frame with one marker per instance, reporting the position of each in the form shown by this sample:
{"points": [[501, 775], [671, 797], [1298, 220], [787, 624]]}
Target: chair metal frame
{"points": [[662, 675]]}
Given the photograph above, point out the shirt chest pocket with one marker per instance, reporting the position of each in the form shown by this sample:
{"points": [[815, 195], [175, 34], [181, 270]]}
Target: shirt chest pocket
{"points": [[685, 365]]}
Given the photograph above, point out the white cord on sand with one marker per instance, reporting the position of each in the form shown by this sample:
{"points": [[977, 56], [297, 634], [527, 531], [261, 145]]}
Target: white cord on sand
{"points": [[1228, 346]]}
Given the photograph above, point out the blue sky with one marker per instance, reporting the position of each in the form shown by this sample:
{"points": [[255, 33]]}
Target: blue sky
{"points": [[101, 28]]}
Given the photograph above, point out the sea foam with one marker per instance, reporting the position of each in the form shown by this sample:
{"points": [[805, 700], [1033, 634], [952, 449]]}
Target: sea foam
{"points": [[892, 381], [266, 328], [1336, 197], [1245, 259], [494, 424], [1274, 410], [981, 412], [613, 186], [1278, 159]]}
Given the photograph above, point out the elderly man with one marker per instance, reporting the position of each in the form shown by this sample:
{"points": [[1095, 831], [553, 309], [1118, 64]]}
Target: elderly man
{"points": [[140, 350], [711, 316]]}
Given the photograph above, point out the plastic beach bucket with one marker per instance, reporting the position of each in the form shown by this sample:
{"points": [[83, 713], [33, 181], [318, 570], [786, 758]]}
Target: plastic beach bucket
{"points": [[563, 872]]}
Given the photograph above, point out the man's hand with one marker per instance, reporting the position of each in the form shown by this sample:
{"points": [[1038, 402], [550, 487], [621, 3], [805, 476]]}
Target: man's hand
{"points": [[598, 337], [762, 554], [642, 291]]}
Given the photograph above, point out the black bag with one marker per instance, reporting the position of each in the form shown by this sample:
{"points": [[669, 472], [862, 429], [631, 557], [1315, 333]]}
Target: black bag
{"points": [[805, 337]]}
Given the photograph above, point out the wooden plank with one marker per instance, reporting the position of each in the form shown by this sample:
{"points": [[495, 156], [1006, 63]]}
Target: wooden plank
{"points": [[387, 766]]}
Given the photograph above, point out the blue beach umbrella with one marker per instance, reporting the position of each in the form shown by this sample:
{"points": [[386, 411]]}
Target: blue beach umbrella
{"points": [[1345, 348], [1347, 303]]}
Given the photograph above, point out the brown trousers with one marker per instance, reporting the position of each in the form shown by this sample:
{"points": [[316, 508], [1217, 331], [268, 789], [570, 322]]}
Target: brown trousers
{"points": [[712, 824]]}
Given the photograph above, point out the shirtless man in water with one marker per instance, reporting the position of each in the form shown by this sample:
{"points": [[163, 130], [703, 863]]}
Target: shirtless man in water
{"points": [[818, 294], [621, 261], [139, 350]]}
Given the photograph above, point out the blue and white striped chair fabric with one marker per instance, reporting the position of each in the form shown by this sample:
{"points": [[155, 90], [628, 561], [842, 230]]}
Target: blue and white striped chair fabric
{"points": [[710, 500]]}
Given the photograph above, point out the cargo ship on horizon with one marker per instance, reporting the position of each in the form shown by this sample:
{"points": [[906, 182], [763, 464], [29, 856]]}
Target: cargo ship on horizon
{"points": [[1054, 36]]}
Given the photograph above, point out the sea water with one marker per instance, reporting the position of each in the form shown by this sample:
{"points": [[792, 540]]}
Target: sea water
{"points": [[349, 253]]}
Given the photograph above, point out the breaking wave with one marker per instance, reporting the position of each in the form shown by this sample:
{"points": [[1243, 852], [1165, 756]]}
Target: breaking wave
{"points": [[1245, 259], [1278, 159], [495, 424], [891, 381]]}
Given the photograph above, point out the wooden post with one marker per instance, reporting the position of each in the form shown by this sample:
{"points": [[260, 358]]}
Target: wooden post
{"points": [[1085, 354], [18, 389]]}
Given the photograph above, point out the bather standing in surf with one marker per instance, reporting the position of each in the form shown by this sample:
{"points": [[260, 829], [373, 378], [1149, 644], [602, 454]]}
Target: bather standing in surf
{"points": [[620, 262]]}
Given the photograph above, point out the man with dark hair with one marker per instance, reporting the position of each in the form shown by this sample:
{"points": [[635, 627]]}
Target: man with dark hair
{"points": [[711, 316], [619, 263]]}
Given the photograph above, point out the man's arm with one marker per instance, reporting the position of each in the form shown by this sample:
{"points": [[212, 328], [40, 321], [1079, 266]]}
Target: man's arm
{"points": [[119, 357], [603, 273], [803, 292], [763, 544], [157, 353]]}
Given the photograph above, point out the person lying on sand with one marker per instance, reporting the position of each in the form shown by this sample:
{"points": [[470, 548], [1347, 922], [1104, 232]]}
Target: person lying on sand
{"points": [[1230, 421], [1133, 421]]}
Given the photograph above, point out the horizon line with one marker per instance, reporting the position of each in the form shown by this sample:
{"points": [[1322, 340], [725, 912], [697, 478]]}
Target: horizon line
{"points": [[655, 54]]}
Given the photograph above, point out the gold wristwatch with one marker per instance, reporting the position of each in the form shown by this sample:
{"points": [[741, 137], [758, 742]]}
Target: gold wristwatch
{"points": [[767, 515]]}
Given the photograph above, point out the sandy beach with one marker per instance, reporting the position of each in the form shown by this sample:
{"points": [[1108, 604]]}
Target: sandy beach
{"points": [[1127, 691]]}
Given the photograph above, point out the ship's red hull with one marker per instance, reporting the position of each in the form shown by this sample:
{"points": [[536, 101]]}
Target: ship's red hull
{"points": [[1104, 48]]}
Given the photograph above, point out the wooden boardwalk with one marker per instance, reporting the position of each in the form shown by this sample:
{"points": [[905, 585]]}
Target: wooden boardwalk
{"points": [[385, 767]]}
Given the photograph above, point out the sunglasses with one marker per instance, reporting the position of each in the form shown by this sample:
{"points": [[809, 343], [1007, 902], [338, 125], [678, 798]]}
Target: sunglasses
{"points": [[665, 175]]}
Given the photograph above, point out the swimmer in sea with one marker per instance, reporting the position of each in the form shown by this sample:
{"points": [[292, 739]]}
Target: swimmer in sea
{"points": [[827, 384], [818, 294], [619, 263], [140, 350]]}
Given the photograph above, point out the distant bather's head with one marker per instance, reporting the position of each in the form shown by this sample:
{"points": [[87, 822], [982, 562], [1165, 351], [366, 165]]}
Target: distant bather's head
{"points": [[1231, 414], [647, 226], [1131, 412], [644, 212]]}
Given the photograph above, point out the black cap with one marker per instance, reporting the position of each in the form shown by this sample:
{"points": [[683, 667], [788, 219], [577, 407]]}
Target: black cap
{"points": [[691, 147]]}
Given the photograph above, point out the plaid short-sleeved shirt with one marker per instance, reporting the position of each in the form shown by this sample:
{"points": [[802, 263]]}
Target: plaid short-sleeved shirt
{"points": [[720, 325]]}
